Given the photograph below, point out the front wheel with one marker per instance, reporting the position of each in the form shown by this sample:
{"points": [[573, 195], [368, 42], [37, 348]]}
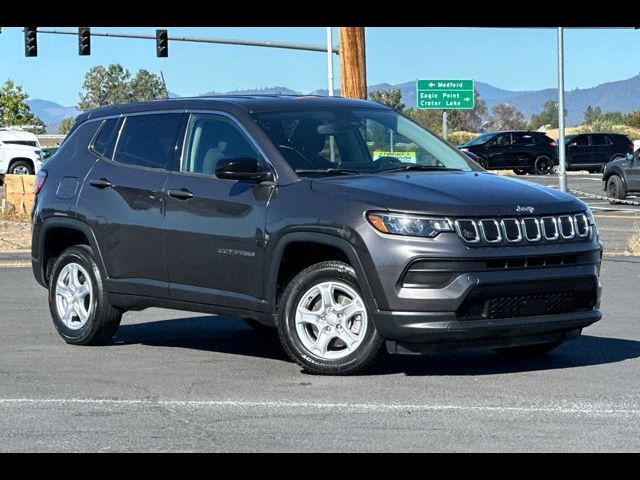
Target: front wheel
{"points": [[78, 302], [615, 188], [324, 324], [21, 168], [520, 171]]}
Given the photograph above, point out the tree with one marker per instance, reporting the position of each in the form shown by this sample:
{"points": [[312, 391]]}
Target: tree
{"points": [[107, 86], [65, 125], [507, 117], [591, 114], [431, 119], [392, 98], [14, 109], [104, 86], [468, 120], [548, 116], [632, 119], [147, 86]]}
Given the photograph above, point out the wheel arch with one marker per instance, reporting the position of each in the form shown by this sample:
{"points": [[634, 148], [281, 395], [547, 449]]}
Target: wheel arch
{"points": [[14, 160], [274, 266], [47, 249]]}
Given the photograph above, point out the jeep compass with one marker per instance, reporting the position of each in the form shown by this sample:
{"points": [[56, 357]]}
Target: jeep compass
{"points": [[342, 223]]}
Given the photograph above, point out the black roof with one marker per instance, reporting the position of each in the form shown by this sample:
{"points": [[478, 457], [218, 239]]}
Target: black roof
{"points": [[249, 103]]}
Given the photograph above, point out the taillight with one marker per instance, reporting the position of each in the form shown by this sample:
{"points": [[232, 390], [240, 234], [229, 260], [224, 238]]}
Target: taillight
{"points": [[553, 144], [40, 178]]}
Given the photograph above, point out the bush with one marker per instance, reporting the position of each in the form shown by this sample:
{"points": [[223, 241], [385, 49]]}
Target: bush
{"points": [[460, 137], [603, 125]]}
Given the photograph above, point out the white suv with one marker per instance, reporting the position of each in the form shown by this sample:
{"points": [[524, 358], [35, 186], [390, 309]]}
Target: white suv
{"points": [[20, 152]]}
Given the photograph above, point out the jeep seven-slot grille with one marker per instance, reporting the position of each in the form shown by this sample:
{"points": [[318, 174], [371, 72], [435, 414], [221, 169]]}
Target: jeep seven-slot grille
{"points": [[492, 231]]}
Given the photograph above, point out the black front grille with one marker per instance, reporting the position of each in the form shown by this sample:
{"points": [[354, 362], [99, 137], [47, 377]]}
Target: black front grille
{"points": [[529, 299]]}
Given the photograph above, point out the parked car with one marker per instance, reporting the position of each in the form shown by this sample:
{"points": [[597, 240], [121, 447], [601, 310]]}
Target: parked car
{"points": [[303, 213], [592, 151], [622, 176], [20, 152], [521, 151]]}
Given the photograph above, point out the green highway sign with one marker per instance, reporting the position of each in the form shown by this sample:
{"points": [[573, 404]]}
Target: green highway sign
{"points": [[445, 94]]}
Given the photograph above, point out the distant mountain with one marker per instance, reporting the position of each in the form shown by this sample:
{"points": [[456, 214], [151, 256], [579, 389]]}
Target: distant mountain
{"points": [[51, 113]]}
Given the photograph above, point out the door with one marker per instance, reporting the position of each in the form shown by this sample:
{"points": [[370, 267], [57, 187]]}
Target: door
{"points": [[632, 176], [122, 199], [499, 151], [579, 152], [523, 149], [601, 149], [214, 228]]}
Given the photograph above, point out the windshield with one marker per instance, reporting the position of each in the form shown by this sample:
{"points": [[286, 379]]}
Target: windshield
{"points": [[361, 140], [478, 140]]}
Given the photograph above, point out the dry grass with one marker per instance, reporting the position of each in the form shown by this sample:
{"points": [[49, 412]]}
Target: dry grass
{"points": [[633, 133], [15, 235], [634, 241]]}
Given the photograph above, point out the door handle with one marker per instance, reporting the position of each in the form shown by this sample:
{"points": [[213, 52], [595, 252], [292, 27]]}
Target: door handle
{"points": [[100, 183], [182, 194]]}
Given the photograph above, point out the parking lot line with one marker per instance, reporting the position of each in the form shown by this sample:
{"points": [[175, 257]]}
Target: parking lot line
{"points": [[590, 409]]}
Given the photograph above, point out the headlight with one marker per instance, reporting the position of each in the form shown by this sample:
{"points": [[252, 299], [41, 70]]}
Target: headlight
{"points": [[409, 225]]}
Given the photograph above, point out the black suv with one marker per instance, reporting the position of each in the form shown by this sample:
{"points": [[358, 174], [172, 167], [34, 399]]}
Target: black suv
{"points": [[622, 176], [521, 151], [340, 222], [592, 151]]}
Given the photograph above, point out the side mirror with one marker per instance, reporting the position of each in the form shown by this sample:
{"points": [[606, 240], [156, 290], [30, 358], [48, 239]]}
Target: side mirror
{"points": [[242, 168]]}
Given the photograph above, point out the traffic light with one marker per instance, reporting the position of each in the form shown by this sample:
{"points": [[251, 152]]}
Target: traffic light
{"points": [[31, 41], [162, 43], [84, 41]]}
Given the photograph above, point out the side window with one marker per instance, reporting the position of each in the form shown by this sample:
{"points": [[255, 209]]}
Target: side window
{"points": [[522, 139], [599, 140], [106, 139], [582, 141], [149, 140], [502, 140], [212, 138]]}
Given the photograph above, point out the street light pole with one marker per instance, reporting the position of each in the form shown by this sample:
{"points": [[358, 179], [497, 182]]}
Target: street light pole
{"points": [[561, 144], [330, 60]]}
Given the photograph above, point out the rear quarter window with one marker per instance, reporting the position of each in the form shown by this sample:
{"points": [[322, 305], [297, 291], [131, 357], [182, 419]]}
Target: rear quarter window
{"points": [[106, 140]]}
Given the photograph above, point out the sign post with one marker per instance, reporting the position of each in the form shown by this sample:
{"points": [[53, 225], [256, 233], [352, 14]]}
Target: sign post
{"points": [[448, 94]]}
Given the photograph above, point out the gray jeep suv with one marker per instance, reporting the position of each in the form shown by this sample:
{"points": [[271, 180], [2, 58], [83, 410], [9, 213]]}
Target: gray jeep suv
{"points": [[340, 222]]}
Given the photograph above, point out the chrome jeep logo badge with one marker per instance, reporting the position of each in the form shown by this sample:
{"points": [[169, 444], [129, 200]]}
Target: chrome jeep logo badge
{"points": [[520, 209]]}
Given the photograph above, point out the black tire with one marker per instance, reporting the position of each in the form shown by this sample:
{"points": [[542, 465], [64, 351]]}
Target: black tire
{"points": [[615, 188], [103, 320], [543, 165], [258, 327], [521, 171], [483, 162], [528, 350], [360, 359], [21, 167]]}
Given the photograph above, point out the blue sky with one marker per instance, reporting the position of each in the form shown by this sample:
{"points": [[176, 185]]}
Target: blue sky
{"points": [[513, 59]]}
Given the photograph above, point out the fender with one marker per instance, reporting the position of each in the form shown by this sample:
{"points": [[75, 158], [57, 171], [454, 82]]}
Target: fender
{"points": [[65, 222], [273, 268]]}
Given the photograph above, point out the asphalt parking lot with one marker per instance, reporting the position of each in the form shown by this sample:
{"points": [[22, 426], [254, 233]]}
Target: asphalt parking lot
{"points": [[176, 381], [615, 222]]}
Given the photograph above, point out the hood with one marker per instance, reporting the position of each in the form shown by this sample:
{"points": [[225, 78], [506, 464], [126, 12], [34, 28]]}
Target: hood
{"points": [[457, 194]]}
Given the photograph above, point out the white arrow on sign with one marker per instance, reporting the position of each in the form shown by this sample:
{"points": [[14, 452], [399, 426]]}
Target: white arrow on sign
{"points": [[467, 99], [431, 84]]}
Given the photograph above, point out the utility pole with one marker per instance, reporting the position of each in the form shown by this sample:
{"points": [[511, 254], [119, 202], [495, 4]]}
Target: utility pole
{"points": [[561, 146], [353, 69]]}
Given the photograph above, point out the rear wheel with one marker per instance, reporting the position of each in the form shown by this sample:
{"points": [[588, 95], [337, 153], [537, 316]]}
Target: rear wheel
{"points": [[528, 350], [78, 302], [324, 324], [543, 165], [615, 188]]}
